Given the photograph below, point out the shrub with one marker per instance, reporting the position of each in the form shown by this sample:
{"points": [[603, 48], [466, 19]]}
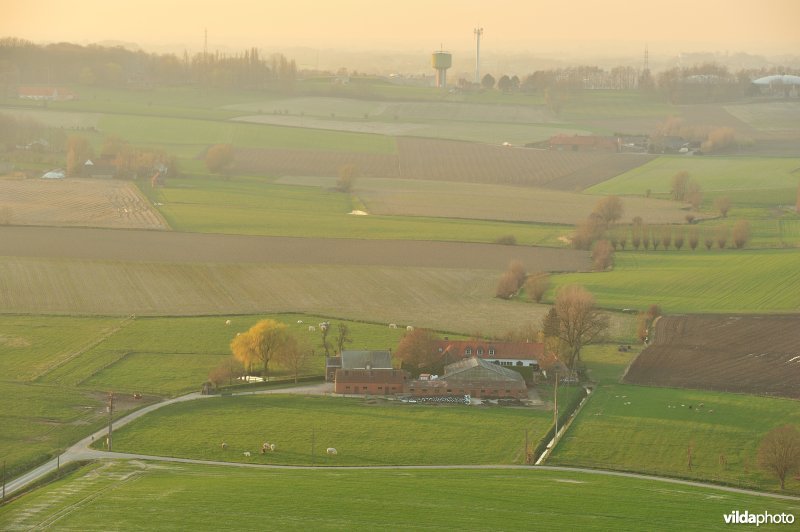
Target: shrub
{"points": [[507, 286], [536, 285], [507, 240], [602, 255]]}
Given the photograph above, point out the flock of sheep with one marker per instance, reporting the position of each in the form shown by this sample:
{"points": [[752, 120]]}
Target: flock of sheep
{"points": [[268, 447]]}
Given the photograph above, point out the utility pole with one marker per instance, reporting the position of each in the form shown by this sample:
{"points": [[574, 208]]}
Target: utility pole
{"points": [[4, 481], [478, 32], [110, 408], [527, 458], [313, 457]]}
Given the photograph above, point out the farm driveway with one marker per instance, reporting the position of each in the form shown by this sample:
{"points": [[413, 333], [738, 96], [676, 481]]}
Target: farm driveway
{"points": [[156, 246]]}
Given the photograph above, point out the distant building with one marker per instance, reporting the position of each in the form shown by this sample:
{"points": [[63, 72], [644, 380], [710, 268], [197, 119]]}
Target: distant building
{"points": [[583, 143], [51, 94], [509, 354]]}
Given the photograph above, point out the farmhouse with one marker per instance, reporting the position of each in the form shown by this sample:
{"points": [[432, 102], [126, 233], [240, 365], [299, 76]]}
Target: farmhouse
{"points": [[50, 94], [475, 377], [511, 354], [583, 143]]}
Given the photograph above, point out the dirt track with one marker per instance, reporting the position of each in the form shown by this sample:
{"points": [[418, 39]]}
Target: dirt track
{"points": [[174, 247]]}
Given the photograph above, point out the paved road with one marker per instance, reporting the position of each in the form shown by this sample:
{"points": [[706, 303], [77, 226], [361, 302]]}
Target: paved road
{"points": [[82, 451]]}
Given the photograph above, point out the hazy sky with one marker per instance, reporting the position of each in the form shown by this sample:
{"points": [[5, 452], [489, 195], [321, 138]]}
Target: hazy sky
{"points": [[769, 26]]}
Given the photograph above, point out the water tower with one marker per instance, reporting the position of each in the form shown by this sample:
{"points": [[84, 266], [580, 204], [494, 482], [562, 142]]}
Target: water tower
{"points": [[441, 61]]}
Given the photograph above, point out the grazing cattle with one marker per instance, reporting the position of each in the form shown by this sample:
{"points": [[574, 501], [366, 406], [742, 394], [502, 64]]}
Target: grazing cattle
{"points": [[331, 451], [246, 453], [227, 322], [224, 446], [393, 326]]}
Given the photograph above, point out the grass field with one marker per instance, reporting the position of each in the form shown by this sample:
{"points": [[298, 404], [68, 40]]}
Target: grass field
{"points": [[56, 370], [259, 207], [717, 176], [725, 281], [364, 432], [411, 197], [171, 496], [650, 430]]}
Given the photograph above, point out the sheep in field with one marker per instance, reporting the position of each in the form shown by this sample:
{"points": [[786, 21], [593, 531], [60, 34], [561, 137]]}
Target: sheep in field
{"points": [[227, 322], [246, 453], [393, 326], [331, 451], [224, 446]]}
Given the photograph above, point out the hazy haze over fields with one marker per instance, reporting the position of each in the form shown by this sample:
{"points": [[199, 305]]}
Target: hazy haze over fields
{"points": [[585, 29]]}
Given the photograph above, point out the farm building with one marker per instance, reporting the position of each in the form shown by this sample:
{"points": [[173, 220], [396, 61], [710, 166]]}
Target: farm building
{"points": [[357, 360], [100, 168], [475, 377], [512, 354], [583, 143], [51, 94], [370, 381]]}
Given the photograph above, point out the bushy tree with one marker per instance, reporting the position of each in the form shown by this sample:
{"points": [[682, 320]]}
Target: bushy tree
{"points": [[779, 452], [219, 158], [741, 233], [347, 178], [610, 209], [680, 182], [579, 323], [487, 82], [536, 285], [602, 255], [260, 344], [417, 352], [723, 205]]}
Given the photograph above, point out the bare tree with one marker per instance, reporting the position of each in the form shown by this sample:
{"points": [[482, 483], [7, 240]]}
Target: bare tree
{"points": [[722, 236], [694, 195], [417, 351], [666, 237], [227, 370], [579, 322], [779, 452], [602, 255], [536, 285], [694, 238], [342, 336], [678, 240], [219, 158], [680, 182], [723, 205], [294, 356], [741, 233], [347, 178], [609, 209]]}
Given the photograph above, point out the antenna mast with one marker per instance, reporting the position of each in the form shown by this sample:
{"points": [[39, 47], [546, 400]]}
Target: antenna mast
{"points": [[478, 32]]}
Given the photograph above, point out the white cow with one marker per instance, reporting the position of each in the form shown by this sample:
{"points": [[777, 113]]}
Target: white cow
{"points": [[331, 451]]}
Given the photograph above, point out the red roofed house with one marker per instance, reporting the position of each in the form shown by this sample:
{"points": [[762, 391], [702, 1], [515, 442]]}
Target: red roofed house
{"points": [[52, 94]]}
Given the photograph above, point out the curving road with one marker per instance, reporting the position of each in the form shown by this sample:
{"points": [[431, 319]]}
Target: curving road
{"points": [[81, 451]]}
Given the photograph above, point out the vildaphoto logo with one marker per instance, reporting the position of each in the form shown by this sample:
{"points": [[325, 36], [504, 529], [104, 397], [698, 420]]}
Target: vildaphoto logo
{"points": [[765, 518]]}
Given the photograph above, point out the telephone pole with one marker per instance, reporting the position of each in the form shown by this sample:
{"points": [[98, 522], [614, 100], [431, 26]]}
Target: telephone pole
{"points": [[555, 411], [478, 32], [110, 408]]}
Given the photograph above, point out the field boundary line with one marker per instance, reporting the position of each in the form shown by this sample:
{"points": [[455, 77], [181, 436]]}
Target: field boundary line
{"points": [[150, 207], [86, 347]]}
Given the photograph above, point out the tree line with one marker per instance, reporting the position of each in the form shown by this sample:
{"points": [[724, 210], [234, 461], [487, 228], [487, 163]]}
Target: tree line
{"points": [[23, 62]]}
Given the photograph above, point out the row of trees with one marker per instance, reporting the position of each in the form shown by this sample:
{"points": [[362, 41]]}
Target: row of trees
{"points": [[644, 236], [23, 62]]}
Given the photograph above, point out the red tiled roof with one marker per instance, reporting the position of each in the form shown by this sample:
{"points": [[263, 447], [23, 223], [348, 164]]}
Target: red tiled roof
{"points": [[502, 350], [388, 376]]}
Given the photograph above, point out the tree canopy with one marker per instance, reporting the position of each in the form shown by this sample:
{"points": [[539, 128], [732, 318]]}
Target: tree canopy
{"points": [[575, 322], [261, 343]]}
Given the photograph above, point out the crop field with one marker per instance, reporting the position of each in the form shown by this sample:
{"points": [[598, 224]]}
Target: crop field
{"points": [[410, 197], [446, 160], [192, 496], [722, 282], [364, 432], [650, 430], [78, 202], [742, 354], [768, 116], [716, 175]]}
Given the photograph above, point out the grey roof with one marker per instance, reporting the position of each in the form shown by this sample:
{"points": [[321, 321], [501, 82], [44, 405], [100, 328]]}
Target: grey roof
{"points": [[479, 369], [362, 359]]}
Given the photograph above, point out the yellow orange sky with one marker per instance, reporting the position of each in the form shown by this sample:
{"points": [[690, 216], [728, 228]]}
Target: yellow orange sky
{"points": [[713, 25]]}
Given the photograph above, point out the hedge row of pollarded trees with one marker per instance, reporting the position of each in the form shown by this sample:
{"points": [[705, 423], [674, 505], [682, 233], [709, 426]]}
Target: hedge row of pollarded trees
{"points": [[643, 236]]}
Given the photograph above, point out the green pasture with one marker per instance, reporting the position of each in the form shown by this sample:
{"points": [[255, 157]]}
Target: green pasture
{"points": [[364, 432], [752, 179], [56, 370], [733, 281], [597, 105], [650, 430], [199, 497], [258, 207]]}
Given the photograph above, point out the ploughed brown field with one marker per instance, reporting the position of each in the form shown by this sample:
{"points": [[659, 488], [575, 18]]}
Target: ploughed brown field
{"points": [[446, 160], [77, 202], [758, 354]]}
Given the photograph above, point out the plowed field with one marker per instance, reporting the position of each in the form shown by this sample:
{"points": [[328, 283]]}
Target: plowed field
{"points": [[756, 354], [445, 160], [77, 202]]}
